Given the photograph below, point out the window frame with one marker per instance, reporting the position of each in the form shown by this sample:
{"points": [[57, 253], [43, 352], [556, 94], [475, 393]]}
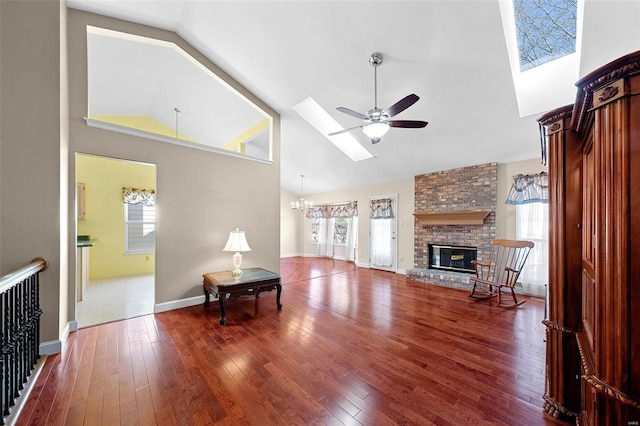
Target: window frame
{"points": [[127, 222]]}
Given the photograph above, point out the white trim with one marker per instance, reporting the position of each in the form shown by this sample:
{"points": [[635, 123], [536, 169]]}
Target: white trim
{"points": [[148, 135], [57, 346], [51, 347], [282, 256], [181, 303], [362, 265], [24, 393]]}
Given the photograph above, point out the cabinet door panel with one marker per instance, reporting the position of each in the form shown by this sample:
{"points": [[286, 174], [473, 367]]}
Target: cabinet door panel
{"points": [[588, 243]]}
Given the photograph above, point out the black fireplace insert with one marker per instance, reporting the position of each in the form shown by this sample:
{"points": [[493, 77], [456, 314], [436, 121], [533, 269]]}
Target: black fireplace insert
{"points": [[452, 258]]}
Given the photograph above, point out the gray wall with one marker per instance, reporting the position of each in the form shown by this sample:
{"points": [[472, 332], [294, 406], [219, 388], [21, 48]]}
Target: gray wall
{"points": [[33, 136], [201, 195]]}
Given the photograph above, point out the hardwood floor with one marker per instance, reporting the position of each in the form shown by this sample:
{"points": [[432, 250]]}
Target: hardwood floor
{"points": [[350, 346]]}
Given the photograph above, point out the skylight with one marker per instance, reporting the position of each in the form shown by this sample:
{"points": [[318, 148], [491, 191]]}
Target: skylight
{"points": [[543, 39], [315, 115], [545, 30]]}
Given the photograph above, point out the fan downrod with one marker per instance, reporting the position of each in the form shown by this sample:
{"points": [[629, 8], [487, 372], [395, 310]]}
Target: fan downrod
{"points": [[375, 59]]}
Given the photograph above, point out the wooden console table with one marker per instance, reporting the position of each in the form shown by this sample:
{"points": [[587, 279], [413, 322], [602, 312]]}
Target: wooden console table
{"points": [[252, 282]]}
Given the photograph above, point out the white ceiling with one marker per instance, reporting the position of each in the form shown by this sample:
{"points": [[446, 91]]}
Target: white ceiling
{"points": [[452, 54]]}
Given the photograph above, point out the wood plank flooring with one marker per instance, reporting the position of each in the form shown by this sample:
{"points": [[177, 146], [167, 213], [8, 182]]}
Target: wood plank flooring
{"points": [[350, 346]]}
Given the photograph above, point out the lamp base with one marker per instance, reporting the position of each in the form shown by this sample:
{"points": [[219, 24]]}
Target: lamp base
{"points": [[237, 261]]}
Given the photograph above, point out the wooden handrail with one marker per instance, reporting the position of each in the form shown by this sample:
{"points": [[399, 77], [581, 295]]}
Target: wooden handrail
{"points": [[38, 264]]}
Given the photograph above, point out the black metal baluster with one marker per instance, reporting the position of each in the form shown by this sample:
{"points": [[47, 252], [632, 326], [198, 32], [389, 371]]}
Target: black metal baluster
{"points": [[20, 338], [13, 354], [5, 358], [36, 333], [20, 374]]}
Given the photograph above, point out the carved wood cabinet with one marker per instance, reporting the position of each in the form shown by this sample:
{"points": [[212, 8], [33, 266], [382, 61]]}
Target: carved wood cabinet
{"points": [[593, 324]]}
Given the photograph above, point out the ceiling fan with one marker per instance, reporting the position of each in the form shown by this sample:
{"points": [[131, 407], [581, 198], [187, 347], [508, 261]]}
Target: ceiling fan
{"points": [[376, 120]]}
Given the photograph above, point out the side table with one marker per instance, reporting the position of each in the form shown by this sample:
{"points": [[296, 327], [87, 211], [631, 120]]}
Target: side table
{"points": [[252, 282]]}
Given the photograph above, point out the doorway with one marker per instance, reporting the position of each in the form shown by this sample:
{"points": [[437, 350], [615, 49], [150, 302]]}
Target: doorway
{"points": [[115, 239], [382, 232]]}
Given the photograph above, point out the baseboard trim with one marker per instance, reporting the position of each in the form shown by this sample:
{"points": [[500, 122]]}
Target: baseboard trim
{"points": [[291, 255], [51, 347], [177, 304], [57, 346]]}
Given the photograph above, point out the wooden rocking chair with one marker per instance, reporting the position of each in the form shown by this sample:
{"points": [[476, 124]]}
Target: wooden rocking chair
{"points": [[506, 259]]}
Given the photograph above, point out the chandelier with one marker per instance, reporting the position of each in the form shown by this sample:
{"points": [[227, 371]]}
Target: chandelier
{"points": [[301, 204]]}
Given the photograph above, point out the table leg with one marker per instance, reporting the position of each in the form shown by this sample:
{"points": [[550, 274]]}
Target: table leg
{"points": [[206, 296], [223, 313], [278, 291]]}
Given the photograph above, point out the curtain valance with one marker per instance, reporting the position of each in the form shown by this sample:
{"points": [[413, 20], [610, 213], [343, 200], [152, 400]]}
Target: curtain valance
{"points": [[146, 197], [529, 189], [326, 211], [381, 208]]}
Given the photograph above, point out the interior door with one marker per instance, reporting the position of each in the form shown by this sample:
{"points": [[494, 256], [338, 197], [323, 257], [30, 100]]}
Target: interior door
{"points": [[383, 245]]}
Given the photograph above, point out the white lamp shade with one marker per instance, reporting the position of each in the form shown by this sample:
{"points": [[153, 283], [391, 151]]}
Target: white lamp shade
{"points": [[375, 130], [237, 242]]}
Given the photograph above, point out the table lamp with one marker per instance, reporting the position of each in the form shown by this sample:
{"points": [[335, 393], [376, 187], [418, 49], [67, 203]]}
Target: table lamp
{"points": [[237, 242]]}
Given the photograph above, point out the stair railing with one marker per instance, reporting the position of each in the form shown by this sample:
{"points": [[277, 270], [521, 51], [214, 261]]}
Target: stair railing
{"points": [[20, 328]]}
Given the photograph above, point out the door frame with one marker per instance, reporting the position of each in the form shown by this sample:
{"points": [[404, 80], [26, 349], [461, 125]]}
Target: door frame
{"points": [[73, 293]]}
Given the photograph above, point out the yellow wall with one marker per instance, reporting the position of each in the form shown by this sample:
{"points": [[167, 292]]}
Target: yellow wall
{"points": [[104, 178], [141, 122]]}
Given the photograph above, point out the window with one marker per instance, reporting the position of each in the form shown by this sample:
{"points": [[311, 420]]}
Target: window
{"points": [[140, 228], [315, 231], [340, 231], [532, 224], [545, 30]]}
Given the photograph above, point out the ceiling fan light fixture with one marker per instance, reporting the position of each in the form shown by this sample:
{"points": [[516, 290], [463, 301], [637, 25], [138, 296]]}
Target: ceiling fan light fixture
{"points": [[375, 130]]}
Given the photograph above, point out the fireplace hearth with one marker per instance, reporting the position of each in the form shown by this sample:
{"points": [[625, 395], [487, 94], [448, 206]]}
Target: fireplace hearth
{"points": [[452, 258]]}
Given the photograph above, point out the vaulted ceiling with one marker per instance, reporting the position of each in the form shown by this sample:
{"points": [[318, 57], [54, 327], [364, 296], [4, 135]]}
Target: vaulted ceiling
{"points": [[452, 54]]}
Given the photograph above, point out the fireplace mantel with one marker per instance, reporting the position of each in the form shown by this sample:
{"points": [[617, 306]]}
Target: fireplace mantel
{"points": [[453, 218]]}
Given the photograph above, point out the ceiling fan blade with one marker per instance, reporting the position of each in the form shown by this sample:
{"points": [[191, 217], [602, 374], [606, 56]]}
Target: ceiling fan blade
{"points": [[401, 105], [352, 113], [346, 130], [407, 124]]}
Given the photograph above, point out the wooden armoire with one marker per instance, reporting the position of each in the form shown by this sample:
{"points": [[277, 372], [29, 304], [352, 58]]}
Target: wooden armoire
{"points": [[593, 316]]}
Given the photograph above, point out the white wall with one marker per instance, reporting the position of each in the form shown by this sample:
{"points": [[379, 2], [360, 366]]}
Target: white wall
{"points": [[291, 220], [405, 220]]}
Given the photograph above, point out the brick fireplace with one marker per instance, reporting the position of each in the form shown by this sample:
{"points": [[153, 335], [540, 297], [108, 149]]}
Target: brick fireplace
{"points": [[447, 195]]}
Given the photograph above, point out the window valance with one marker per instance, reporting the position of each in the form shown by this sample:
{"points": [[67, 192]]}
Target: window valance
{"points": [[529, 189], [146, 197], [381, 208], [326, 211]]}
